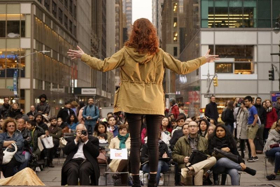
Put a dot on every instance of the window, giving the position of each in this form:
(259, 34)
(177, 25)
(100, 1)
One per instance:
(60, 13)
(47, 4)
(54, 9)
(2, 25)
(13, 28)
(234, 59)
(71, 7)
(66, 4)
(175, 51)
(175, 36)
(175, 22)
(65, 21)
(70, 26)
(75, 12)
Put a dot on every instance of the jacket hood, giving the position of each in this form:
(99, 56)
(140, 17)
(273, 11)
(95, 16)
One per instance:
(138, 57)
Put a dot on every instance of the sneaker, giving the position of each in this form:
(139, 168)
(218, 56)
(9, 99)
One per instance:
(271, 177)
(255, 158)
(251, 159)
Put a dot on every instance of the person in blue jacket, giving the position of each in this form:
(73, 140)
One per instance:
(90, 115)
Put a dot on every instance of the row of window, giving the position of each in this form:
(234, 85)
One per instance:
(12, 25)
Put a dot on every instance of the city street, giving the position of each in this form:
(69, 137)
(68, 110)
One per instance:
(51, 176)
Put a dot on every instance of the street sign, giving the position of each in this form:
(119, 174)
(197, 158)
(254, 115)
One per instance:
(207, 95)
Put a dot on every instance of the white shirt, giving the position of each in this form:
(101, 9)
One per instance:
(80, 151)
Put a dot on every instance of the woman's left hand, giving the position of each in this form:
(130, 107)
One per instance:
(73, 54)
(243, 166)
(211, 58)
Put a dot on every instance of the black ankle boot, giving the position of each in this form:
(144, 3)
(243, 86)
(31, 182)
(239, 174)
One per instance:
(136, 181)
(250, 171)
(152, 180)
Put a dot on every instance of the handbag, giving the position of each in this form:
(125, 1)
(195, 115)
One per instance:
(7, 157)
(229, 155)
(197, 156)
(62, 142)
(48, 142)
(101, 159)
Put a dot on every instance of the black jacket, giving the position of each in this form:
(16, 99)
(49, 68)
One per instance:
(163, 148)
(34, 139)
(261, 113)
(43, 126)
(229, 117)
(4, 111)
(13, 113)
(27, 138)
(176, 136)
(44, 108)
(31, 113)
(91, 152)
(211, 111)
(63, 113)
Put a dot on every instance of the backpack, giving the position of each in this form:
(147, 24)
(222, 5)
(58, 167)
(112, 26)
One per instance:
(223, 117)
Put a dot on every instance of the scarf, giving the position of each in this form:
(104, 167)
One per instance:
(123, 140)
(269, 109)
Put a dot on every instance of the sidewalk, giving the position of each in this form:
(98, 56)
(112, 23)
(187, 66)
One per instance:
(52, 176)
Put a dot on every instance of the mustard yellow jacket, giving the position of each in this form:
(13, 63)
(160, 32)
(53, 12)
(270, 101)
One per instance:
(141, 90)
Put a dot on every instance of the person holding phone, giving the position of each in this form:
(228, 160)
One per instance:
(81, 162)
(142, 64)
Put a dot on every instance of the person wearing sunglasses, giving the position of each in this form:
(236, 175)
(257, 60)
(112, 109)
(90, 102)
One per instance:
(7, 138)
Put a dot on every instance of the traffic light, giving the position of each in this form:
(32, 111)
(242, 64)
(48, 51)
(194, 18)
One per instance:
(271, 74)
(215, 81)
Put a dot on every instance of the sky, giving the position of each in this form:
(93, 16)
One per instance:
(141, 9)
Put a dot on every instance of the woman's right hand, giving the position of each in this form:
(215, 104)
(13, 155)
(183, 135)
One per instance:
(73, 54)
(226, 149)
(211, 58)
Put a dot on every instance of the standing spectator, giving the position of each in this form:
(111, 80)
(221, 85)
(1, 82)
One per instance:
(90, 115)
(229, 118)
(32, 111)
(74, 107)
(27, 139)
(72, 122)
(174, 109)
(277, 107)
(252, 126)
(259, 143)
(14, 111)
(242, 126)
(9, 136)
(43, 107)
(211, 110)
(181, 109)
(36, 132)
(1, 125)
(56, 133)
(271, 117)
(5, 108)
(65, 111)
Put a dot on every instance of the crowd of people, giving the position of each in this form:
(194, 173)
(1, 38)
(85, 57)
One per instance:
(243, 122)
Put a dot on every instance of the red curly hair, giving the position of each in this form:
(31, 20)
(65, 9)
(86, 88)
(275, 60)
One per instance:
(143, 37)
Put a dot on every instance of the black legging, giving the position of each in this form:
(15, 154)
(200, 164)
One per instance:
(153, 127)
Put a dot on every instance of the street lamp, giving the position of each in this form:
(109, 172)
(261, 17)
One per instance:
(16, 73)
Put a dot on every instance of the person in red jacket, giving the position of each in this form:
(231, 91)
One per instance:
(174, 108)
(271, 117)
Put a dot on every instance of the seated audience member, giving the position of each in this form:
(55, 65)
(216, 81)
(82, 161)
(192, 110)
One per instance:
(102, 138)
(63, 125)
(177, 135)
(211, 129)
(30, 117)
(164, 158)
(72, 122)
(272, 150)
(173, 123)
(40, 122)
(21, 128)
(121, 141)
(1, 125)
(81, 162)
(109, 114)
(223, 140)
(183, 150)
(56, 133)
(32, 111)
(100, 128)
(203, 128)
(7, 138)
(36, 132)
(165, 131)
(112, 126)
(180, 122)
(14, 111)
(144, 133)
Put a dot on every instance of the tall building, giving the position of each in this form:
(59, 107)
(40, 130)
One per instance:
(157, 16)
(127, 10)
(243, 34)
(26, 29)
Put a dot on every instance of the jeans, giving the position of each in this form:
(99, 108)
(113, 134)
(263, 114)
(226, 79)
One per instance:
(225, 165)
(153, 128)
(274, 152)
(162, 167)
(230, 128)
(23, 165)
(90, 126)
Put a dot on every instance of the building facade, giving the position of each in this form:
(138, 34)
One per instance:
(127, 10)
(242, 33)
